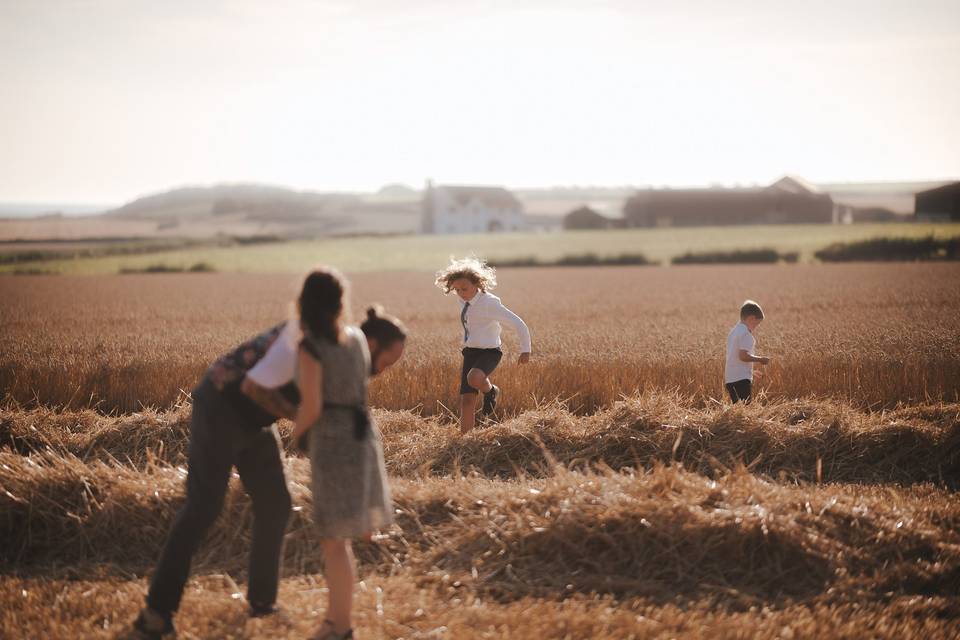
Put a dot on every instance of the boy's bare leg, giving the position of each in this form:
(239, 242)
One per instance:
(468, 411)
(477, 379)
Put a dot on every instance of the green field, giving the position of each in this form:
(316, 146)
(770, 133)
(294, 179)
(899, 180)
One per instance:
(431, 252)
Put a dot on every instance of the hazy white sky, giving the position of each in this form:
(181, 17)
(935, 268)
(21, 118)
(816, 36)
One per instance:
(105, 100)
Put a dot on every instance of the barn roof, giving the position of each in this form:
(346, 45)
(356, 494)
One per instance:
(946, 188)
(790, 184)
(795, 184)
(491, 196)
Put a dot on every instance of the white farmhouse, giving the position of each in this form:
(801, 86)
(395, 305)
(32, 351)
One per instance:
(464, 209)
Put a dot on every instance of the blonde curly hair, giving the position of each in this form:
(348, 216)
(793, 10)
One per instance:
(474, 269)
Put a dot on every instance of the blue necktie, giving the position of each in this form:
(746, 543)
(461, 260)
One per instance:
(463, 321)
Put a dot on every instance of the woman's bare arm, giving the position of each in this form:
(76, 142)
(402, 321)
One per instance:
(311, 391)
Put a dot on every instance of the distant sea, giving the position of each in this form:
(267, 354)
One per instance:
(33, 210)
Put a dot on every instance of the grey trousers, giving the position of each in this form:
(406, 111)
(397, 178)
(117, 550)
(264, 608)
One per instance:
(217, 444)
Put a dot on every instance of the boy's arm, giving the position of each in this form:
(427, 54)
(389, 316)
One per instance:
(270, 399)
(523, 332)
(746, 356)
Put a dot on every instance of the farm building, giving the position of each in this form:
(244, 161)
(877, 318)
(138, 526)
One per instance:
(586, 218)
(469, 209)
(788, 201)
(875, 201)
(942, 203)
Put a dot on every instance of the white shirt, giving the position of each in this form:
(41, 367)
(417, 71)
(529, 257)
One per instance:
(277, 366)
(483, 319)
(736, 369)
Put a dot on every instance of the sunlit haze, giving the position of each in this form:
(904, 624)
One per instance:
(107, 100)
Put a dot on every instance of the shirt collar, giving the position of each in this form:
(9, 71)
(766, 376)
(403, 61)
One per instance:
(475, 298)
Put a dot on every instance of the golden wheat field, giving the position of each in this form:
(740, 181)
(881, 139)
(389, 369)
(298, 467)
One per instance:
(875, 335)
(619, 495)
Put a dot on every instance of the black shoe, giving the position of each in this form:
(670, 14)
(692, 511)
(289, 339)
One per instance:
(152, 625)
(490, 400)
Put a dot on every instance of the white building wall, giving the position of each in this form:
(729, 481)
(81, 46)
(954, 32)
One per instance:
(473, 217)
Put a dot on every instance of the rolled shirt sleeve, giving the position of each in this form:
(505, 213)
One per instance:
(278, 365)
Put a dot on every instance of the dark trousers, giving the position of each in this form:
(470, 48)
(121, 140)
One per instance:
(217, 444)
(740, 390)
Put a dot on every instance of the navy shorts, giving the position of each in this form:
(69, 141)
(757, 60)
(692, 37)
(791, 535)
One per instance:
(484, 359)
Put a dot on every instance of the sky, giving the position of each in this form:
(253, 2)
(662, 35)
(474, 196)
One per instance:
(106, 100)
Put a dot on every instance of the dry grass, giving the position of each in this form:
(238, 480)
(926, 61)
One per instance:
(873, 335)
(783, 440)
(791, 441)
(670, 546)
(508, 542)
(395, 608)
(136, 439)
(635, 506)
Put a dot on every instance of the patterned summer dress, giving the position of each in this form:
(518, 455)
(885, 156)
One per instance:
(351, 496)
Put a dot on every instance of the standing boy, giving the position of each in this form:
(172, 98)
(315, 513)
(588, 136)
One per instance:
(738, 373)
(480, 316)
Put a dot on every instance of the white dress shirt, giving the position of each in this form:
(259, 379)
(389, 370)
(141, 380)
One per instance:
(483, 319)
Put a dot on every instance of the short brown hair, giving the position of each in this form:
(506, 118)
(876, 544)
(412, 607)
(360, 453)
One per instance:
(751, 308)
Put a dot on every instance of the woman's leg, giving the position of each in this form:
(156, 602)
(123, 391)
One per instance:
(341, 574)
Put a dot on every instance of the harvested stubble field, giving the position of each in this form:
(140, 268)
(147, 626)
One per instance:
(497, 538)
(637, 506)
(791, 441)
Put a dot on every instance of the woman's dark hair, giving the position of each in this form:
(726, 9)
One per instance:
(383, 328)
(321, 304)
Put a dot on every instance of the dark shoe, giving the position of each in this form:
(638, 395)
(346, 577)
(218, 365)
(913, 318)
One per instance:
(490, 400)
(152, 625)
(326, 632)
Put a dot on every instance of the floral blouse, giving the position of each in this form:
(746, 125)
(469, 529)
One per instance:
(229, 369)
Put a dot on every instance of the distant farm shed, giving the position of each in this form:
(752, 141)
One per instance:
(789, 200)
(942, 203)
(586, 218)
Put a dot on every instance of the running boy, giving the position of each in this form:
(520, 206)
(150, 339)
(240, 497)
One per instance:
(480, 314)
(738, 373)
